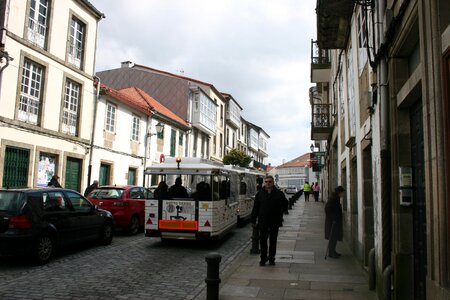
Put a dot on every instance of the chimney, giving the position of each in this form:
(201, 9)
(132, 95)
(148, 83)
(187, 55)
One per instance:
(127, 64)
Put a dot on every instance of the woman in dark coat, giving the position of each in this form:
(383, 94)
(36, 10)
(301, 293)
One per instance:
(333, 221)
(54, 182)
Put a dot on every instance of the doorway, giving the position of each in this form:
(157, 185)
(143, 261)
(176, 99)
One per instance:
(419, 208)
(73, 174)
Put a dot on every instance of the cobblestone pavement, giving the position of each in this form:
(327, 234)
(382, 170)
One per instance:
(132, 267)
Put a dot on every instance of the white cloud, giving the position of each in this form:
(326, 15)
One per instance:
(256, 50)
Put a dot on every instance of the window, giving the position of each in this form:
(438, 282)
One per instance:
(137, 193)
(180, 138)
(76, 42)
(46, 168)
(54, 201)
(16, 166)
(135, 128)
(132, 174)
(362, 40)
(37, 22)
(110, 118)
(30, 92)
(173, 142)
(78, 202)
(71, 104)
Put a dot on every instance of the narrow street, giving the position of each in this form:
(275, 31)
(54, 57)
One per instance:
(133, 267)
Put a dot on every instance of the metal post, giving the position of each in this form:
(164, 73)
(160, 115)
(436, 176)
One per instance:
(212, 276)
(255, 241)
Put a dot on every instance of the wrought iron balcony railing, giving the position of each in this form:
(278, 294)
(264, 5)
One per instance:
(321, 125)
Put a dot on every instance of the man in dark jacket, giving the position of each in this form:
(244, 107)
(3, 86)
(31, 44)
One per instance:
(270, 203)
(90, 188)
(333, 221)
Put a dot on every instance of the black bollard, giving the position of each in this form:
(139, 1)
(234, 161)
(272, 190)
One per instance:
(212, 276)
(255, 241)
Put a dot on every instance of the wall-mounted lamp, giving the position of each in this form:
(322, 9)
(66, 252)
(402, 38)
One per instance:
(312, 147)
(159, 128)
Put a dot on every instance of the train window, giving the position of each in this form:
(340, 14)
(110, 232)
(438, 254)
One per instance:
(243, 188)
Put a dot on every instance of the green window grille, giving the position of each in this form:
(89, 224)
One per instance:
(15, 170)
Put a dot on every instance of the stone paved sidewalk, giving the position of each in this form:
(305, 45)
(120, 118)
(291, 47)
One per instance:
(301, 271)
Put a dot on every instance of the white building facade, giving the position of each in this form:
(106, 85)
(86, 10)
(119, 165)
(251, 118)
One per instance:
(47, 91)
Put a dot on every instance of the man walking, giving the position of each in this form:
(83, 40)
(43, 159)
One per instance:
(90, 188)
(270, 203)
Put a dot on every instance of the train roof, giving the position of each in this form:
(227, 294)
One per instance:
(187, 165)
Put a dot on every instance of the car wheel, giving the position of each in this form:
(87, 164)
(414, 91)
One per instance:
(44, 248)
(107, 234)
(134, 225)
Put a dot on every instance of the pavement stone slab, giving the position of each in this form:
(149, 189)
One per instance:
(239, 291)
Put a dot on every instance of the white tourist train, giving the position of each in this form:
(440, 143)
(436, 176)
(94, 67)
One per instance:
(217, 198)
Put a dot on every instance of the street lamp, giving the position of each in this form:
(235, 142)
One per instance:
(159, 128)
(312, 147)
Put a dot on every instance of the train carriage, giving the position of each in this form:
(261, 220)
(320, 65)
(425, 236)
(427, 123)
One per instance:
(208, 211)
(246, 182)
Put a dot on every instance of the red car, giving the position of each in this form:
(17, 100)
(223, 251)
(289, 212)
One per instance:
(126, 203)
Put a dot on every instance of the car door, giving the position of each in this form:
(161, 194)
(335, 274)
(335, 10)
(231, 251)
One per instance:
(137, 202)
(86, 221)
(56, 214)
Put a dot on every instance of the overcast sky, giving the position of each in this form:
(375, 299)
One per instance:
(256, 50)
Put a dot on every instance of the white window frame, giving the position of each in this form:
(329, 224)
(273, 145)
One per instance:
(135, 128)
(30, 91)
(77, 35)
(110, 117)
(72, 97)
(362, 40)
(37, 22)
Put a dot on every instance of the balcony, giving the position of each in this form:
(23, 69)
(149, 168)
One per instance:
(333, 23)
(320, 64)
(321, 125)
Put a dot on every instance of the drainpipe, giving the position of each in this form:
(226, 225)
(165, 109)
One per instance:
(147, 139)
(385, 157)
(387, 282)
(94, 118)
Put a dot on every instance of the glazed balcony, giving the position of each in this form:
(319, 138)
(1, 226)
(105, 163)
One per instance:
(320, 64)
(321, 125)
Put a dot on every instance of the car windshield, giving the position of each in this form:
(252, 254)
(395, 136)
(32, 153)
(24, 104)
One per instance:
(107, 193)
(11, 201)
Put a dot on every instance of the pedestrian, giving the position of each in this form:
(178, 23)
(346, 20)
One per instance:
(161, 192)
(316, 191)
(177, 190)
(54, 182)
(267, 216)
(306, 190)
(333, 221)
(90, 188)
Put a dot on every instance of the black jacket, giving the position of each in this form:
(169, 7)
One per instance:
(333, 217)
(268, 208)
